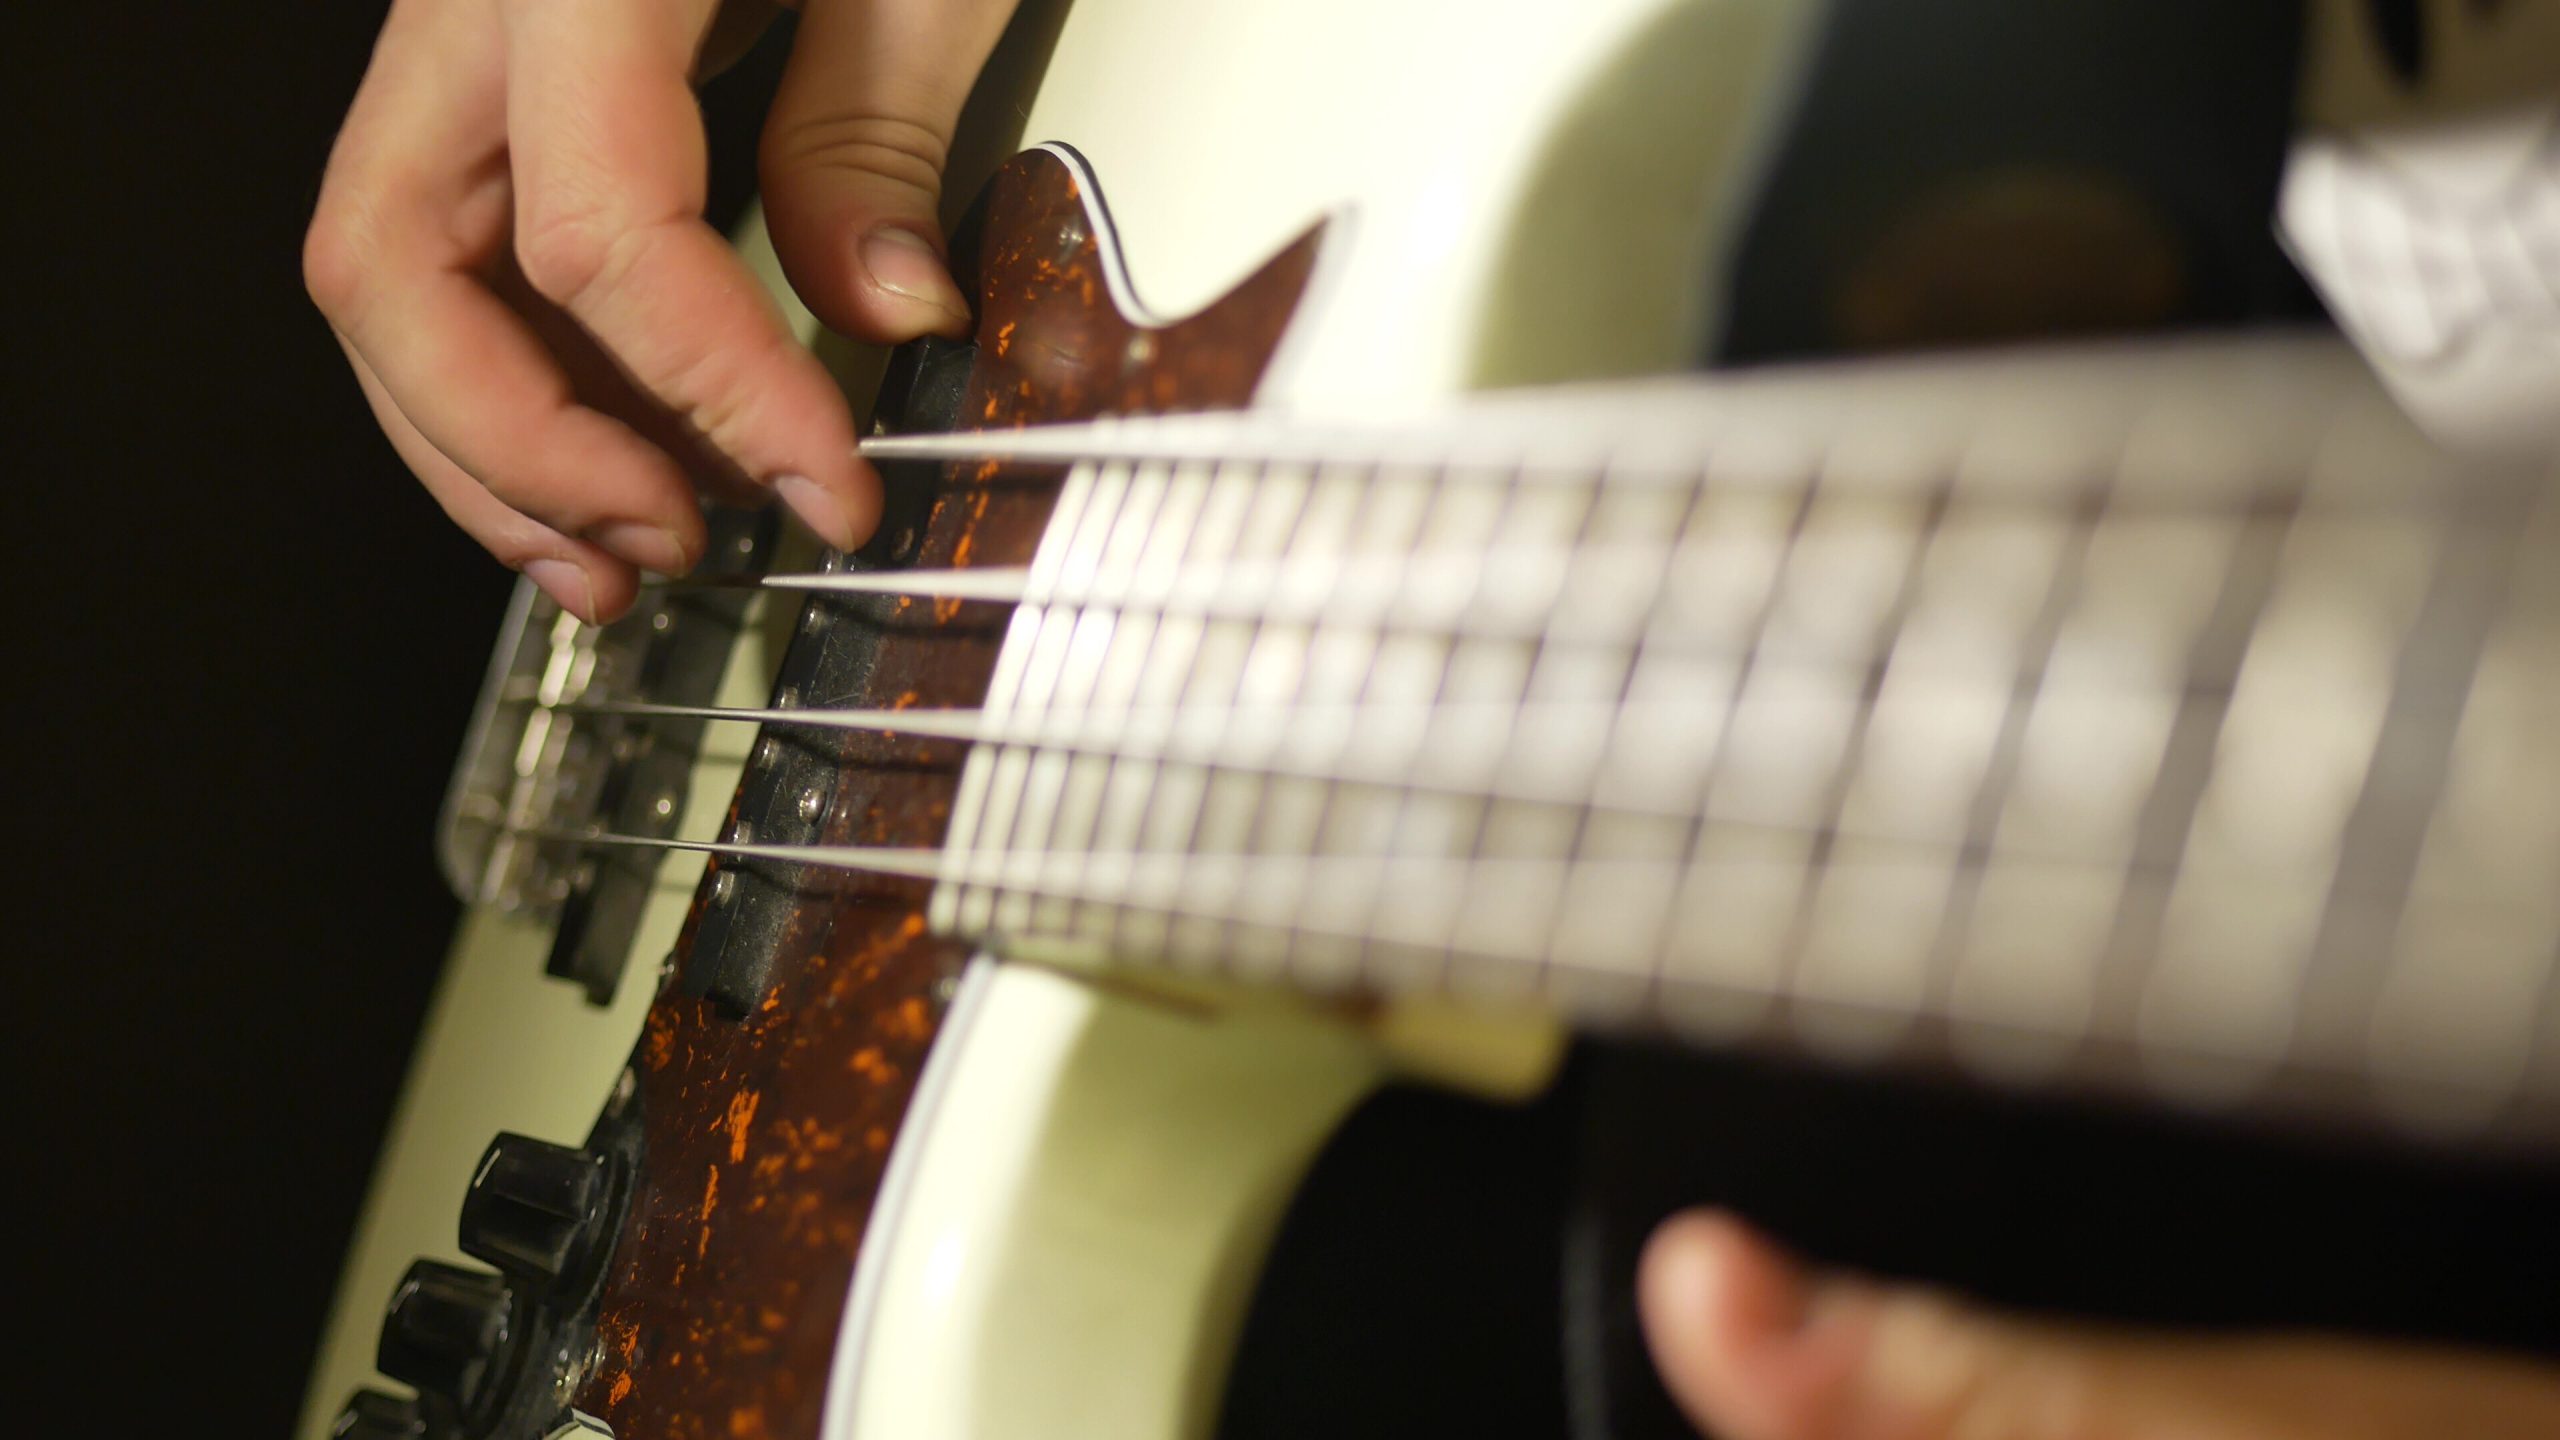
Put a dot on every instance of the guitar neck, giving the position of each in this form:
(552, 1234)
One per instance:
(2176, 719)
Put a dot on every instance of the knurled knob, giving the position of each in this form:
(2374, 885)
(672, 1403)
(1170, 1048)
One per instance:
(445, 1330)
(373, 1415)
(536, 1211)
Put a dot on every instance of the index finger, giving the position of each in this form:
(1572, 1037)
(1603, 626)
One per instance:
(608, 154)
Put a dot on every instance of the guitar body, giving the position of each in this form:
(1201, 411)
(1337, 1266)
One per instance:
(871, 1186)
(1410, 151)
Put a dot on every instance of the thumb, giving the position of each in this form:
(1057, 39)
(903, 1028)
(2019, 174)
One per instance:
(1753, 1348)
(851, 163)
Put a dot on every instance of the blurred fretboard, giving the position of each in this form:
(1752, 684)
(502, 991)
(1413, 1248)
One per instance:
(2176, 718)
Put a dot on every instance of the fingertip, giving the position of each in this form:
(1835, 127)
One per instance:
(875, 278)
(662, 549)
(615, 586)
(843, 513)
(566, 582)
(1708, 1279)
(909, 288)
(1725, 1315)
(592, 586)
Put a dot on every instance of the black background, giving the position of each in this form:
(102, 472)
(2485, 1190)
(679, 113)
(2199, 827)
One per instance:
(243, 647)
(241, 653)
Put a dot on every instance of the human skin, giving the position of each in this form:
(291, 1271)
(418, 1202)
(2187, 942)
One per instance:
(1754, 1345)
(510, 246)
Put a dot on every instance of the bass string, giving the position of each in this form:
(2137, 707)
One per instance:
(1798, 843)
(1217, 889)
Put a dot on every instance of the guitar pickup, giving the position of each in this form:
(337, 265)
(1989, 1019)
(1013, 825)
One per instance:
(544, 755)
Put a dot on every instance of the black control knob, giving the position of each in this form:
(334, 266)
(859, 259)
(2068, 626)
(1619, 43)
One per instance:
(372, 1415)
(446, 1329)
(536, 1211)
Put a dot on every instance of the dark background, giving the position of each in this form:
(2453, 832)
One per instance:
(242, 652)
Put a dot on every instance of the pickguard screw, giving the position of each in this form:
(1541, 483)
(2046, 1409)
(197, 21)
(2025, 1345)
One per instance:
(813, 804)
(724, 887)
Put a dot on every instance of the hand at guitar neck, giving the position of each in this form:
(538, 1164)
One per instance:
(509, 244)
(1754, 1347)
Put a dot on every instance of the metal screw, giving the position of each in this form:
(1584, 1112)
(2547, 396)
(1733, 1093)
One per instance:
(724, 887)
(767, 751)
(664, 807)
(745, 834)
(813, 804)
(660, 620)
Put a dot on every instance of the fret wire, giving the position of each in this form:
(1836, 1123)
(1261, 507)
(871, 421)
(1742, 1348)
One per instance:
(1757, 626)
(1650, 938)
(1434, 515)
(2038, 639)
(1027, 800)
(2180, 781)
(1121, 817)
(1245, 793)
(1529, 678)
(2409, 757)
(1451, 657)
(957, 908)
(1798, 951)
(1142, 503)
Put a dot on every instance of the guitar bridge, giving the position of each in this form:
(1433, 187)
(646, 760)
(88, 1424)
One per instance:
(545, 755)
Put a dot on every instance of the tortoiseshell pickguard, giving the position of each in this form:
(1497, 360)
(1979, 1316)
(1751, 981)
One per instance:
(766, 1135)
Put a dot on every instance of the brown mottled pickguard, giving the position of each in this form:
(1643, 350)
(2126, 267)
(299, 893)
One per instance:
(765, 1136)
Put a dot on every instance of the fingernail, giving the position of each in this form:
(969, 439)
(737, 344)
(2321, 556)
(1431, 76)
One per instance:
(902, 263)
(651, 547)
(566, 582)
(822, 512)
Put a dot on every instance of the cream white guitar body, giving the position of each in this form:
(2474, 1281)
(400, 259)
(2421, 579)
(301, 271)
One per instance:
(1520, 192)
(1454, 144)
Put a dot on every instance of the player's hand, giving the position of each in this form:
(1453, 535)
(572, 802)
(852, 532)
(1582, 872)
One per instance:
(510, 245)
(1754, 1347)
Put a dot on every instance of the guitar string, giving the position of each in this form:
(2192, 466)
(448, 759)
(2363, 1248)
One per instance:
(1009, 584)
(1006, 871)
(1072, 444)
(1960, 854)
(1268, 892)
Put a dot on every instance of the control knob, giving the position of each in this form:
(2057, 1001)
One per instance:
(537, 1211)
(445, 1333)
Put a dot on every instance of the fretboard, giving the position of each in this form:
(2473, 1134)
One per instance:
(2175, 718)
